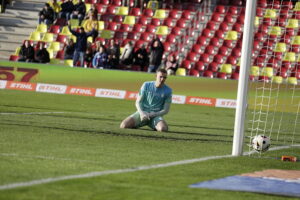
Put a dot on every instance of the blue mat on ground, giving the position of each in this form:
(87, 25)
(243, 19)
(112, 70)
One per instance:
(253, 184)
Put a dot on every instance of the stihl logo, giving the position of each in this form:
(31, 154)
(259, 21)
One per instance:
(21, 86)
(110, 93)
(118, 94)
(81, 91)
(59, 89)
(200, 101)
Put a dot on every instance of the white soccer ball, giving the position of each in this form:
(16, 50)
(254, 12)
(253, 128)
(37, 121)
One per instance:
(261, 143)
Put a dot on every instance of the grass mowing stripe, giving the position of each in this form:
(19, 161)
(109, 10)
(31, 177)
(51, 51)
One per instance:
(119, 171)
(32, 113)
(45, 157)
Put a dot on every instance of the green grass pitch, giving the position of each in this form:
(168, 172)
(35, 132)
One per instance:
(69, 135)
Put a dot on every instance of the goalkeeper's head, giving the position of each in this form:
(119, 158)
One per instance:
(161, 76)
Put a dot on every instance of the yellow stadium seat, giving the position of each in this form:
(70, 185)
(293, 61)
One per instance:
(17, 51)
(275, 30)
(88, 6)
(51, 54)
(298, 58)
(162, 30)
(256, 21)
(48, 37)
(74, 23)
(267, 71)
(55, 46)
(292, 23)
(129, 20)
(65, 31)
(153, 4)
(42, 28)
(226, 68)
(74, 38)
(254, 71)
(280, 47)
(100, 25)
(289, 56)
(296, 40)
(106, 34)
(270, 13)
(90, 39)
(277, 79)
(181, 72)
(35, 36)
(292, 80)
(160, 14)
(297, 6)
(122, 10)
(55, 61)
(69, 62)
(231, 35)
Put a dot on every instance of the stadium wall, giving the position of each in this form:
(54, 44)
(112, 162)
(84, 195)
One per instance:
(112, 83)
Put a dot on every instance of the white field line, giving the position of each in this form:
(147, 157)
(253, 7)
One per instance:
(32, 113)
(120, 171)
(46, 157)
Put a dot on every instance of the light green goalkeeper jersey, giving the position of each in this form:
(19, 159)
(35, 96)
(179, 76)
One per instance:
(153, 99)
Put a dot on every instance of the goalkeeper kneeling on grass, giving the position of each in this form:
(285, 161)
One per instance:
(154, 100)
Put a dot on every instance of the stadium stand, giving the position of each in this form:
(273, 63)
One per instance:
(207, 41)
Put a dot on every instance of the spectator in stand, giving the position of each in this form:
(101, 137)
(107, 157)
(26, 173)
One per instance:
(171, 64)
(3, 4)
(113, 52)
(66, 9)
(79, 11)
(89, 24)
(127, 54)
(141, 57)
(100, 59)
(26, 53)
(81, 44)
(88, 57)
(156, 53)
(42, 55)
(46, 15)
(56, 8)
(69, 49)
(93, 11)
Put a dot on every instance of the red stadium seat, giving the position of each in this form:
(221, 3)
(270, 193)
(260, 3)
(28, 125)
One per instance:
(219, 59)
(118, 18)
(192, 56)
(181, 23)
(113, 26)
(221, 75)
(262, 3)
(229, 19)
(132, 35)
(167, 46)
(205, 58)
(169, 22)
(101, 8)
(219, 34)
(197, 49)
(224, 26)
(138, 44)
(211, 25)
(13, 58)
(143, 20)
(213, 66)
(223, 50)
(105, 2)
(260, 61)
(235, 76)
(231, 60)
(60, 55)
(54, 29)
(210, 49)
(208, 74)
(233, 10)
(295, 73)
(199, 66)
(176, 31)
(174, 14)
(220, 9)
(171, 38)
(61, 38)
(259, 37)
(216, 17)
(186, 64)
(207, 33)
(215, 42)
(186, 14)
(236, 52)
(259, 12)
(237, 27)
(146, 36)
(273, 62)
(150, 28)
(228, 43)
(148, 12)
(240, 19)
(124, 27)
(194, 72)
(137, 28)
(119, 35)
(287, 5)
(282, 72)
(202, 40)
(296, 15)
(116, 2)
(155, 22)
(295, 48)
(135, 12)
(111, 9)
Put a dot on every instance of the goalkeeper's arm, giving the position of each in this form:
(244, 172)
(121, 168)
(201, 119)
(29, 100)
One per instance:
(144, 115)
(164, 111)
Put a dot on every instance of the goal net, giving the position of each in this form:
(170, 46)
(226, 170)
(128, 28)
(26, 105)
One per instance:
(273, 103)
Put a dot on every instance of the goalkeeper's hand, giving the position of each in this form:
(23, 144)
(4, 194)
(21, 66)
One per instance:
(144, 116)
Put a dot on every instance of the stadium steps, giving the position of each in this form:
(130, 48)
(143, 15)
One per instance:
(16, 24)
